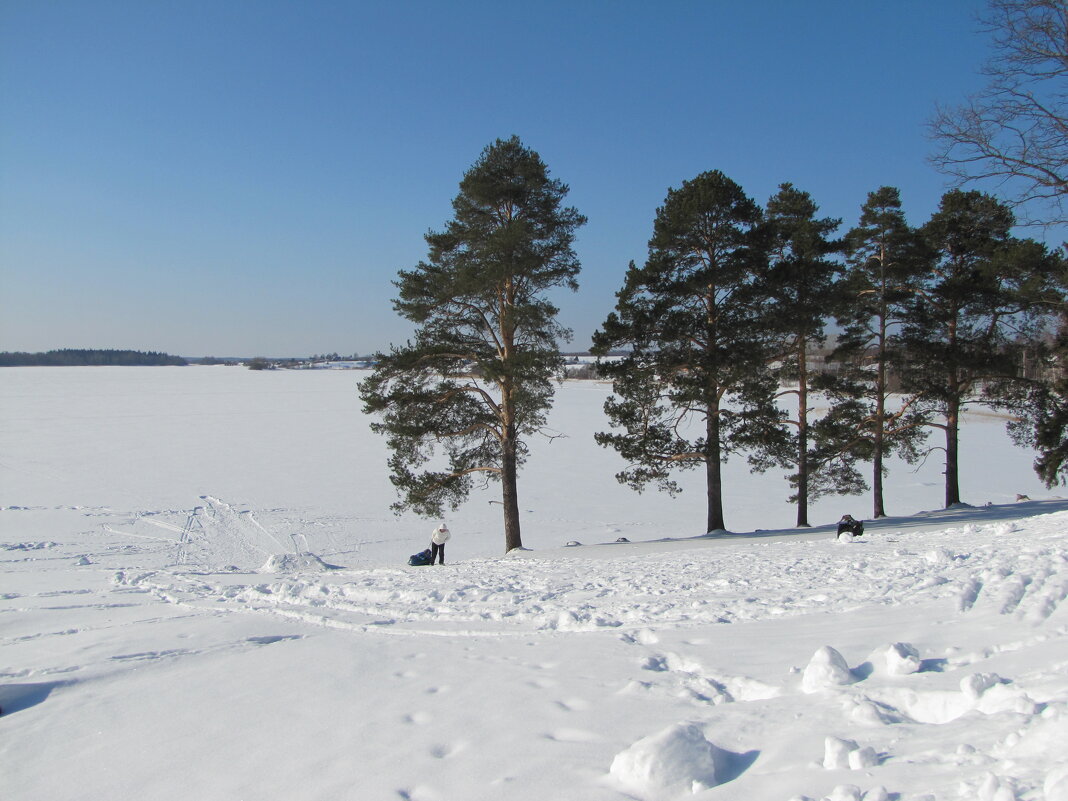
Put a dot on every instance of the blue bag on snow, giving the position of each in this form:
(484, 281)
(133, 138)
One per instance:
(421, 558)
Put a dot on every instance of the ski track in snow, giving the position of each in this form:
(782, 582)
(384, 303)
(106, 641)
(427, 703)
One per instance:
(701, 586)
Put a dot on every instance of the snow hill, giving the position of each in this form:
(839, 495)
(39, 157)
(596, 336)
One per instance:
(187, 611)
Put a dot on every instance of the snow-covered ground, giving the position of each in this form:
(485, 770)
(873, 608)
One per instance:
(162, 639)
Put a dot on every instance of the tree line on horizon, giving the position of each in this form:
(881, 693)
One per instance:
(73, 357)
(717, 327)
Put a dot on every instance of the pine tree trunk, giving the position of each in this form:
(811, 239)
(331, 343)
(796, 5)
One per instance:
(714, 473)
(877, 479)
(802, 436)
(878, 446)
(509, 445)
(879, 441)
(952, 477)
(952, 422)
(510, 492)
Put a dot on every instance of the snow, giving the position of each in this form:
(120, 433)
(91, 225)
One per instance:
(203, 594)
(669, 763)
(827, 669)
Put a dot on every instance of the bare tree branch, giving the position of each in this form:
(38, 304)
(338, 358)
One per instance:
(1015, 131)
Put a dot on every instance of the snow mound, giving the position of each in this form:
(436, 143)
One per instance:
(836, 752)
(841, 754)
(896, 659)
(674, 761)
(825, 670)
(294, 562)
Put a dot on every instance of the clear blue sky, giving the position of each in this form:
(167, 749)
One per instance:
(246, 178)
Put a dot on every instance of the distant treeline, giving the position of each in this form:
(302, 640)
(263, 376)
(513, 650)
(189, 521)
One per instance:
(92, 358)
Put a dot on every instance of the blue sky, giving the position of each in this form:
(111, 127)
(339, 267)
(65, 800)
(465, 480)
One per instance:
(246, 178)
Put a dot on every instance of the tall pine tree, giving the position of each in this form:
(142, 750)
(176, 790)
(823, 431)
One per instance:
(459, 401)
(693, 385)
(1038, 399)
(886, 262)
(802, 287)
(977, 302)
(1041, 410)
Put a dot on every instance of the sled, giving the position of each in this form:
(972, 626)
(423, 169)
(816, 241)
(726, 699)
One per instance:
(419, 559)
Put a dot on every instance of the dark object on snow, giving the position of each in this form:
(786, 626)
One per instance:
(850, 524)
(419, 559)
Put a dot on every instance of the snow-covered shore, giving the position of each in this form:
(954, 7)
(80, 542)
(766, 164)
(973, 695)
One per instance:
(156, 647)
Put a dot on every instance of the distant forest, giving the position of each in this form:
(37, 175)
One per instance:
(92, 358)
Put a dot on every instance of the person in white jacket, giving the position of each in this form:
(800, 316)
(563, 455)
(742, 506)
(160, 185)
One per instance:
(438, 538)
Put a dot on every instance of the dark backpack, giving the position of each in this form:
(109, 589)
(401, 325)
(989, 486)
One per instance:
(421, 558)
(854, 527)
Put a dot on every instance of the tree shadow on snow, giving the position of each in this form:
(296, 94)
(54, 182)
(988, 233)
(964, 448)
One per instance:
(16, 697)
(958, 514)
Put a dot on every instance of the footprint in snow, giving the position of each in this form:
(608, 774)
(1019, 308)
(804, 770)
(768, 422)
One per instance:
(573, 736)
(1046, 604)
(446, 751)
(150, 655)
(969, 594)
(573, 704)
(273, 638)
(640, 637)
(420, 793)
(1013, 592)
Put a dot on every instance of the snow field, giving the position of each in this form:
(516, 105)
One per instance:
(166, 635)
(885, 662)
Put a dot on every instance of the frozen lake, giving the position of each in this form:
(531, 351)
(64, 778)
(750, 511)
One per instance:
(294, 448)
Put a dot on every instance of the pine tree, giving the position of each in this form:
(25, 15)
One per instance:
(478, 378)
(886, 261)
(1038, 400)
(693, 385)
(802, 285)
(979, 300)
